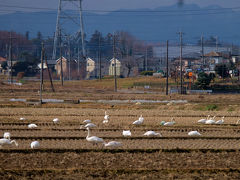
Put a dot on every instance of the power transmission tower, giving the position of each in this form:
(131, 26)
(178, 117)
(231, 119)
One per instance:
(115, 62)
(167, 70)
(64, 18)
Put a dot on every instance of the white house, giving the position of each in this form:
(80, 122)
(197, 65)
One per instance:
(112, 67)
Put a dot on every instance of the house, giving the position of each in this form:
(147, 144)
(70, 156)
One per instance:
(2, 60)
(213, 58)
(91, 69)
(112, 67)
(68, 67)
(51, 64)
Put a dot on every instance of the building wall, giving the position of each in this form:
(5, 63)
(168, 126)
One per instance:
(112, 69)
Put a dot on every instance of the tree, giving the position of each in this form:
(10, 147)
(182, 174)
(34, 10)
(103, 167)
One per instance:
(4, 65)
(222, 70)
(203, 80)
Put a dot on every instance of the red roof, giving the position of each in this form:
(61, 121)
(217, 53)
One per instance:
(2, 59)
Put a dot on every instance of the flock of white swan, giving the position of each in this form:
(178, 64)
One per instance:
(6, 140)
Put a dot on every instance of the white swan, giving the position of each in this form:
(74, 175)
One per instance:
(93, 139)
(221, 121)
(211, 121)
(87, 121)
(56, 120)
(113, 144)
(31, 126)
(152, 133)
(172, 122)
(7, 135)
(35, 144)
(203, 121)
(22, 118)
(88, 125)
(139, 121)
(4, 142)
(106, 118)
(126, 133)
(194, 133)
(141, 118)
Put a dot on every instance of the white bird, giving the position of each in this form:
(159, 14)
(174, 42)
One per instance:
(31, 126)
(203, 121)
(56, 120)
(88, 125)
(4, 142)
(141, 118)
(126, 133)
(93, 139)
(106, 118)
(172, 122)
(87, 121)
(113, 144)
(238, 121)
(22, 118)
(194, 133)
(211, 121)
(152, 133)
(7, 135)
(139, 121)
(35, 144)
(221, 121)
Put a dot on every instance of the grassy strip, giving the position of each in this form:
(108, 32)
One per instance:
(177, 150)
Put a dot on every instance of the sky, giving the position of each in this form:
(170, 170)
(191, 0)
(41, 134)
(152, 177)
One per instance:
(110, 4)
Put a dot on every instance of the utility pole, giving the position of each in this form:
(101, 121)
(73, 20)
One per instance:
(99, 57)
(181, 78)
(69, 59)
(167, 70)
(78, 63)
(41, 73)
(61, 65)
(202, 44)
(216, 43)
(115, 63)
(146, 59)
(10, 57)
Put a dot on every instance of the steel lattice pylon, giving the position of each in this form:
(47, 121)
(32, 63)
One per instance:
(62, 17)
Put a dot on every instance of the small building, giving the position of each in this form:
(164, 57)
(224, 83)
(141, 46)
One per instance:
(112, 67)
(65, 66)
(2, 60)
(91, 69)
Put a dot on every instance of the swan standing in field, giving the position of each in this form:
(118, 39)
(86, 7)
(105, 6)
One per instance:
(35, 144)
(88, 125)
(194, 133)
(203, 121)
(106, 118)
(139, 121)
(22, 118)
(93, 139)
(172, 122)
(152, 133)
(56, 120)
(126, 133)
(7, 135)
(87, 121)
(4, 142)
(31, 126)
(211, 121)
(221, 121)
(113, 144)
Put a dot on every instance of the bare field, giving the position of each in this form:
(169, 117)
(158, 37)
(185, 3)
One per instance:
(65, 154)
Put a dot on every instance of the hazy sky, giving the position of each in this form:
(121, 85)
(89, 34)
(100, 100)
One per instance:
(112, 4)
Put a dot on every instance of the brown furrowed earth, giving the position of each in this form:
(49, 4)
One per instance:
(65, 153)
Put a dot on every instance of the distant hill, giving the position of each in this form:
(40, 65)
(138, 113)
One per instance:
(158, 25)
